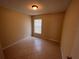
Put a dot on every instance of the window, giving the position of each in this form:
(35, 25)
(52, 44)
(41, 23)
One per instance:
(38, 26)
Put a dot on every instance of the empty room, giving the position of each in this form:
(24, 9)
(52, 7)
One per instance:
(39, 29)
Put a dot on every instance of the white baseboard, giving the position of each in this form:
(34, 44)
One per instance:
(62, 55)
(54, 40)
(61, 52)
(14, 43)
(24, 39)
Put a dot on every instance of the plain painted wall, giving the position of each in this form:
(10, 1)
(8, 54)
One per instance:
(75, 49)
(51, 25)
(14, 26)
(69, 29)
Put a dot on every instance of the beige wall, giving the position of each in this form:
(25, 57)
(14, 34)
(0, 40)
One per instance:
(14, 26)
(75, 49)
(69, 29)
(51, 25)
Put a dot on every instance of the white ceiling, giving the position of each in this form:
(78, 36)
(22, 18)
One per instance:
(44, 6)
